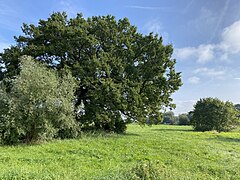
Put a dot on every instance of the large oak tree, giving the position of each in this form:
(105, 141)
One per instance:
(123, 74)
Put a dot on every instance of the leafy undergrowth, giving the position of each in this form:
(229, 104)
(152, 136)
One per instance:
(156, 152)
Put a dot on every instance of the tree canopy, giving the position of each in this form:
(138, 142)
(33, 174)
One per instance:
(237, 106)
(214, 114)
(123, 75)
(169, 118)
(183, 119)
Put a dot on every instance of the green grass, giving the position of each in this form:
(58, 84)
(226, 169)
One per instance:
(174, 152)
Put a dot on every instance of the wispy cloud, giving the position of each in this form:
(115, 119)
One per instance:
(151, 8)
(220, 18)
(211, 72)
(156, 27)
(9, 16)
(208, 21)
(188, 6)
(185, 53)
(194, 80)
(72, 7)
(204, 22)
(68, 7)
(7, 9)
(153, 26)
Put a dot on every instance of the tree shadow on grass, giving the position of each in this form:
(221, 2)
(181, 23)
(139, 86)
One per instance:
(226, 139)
(131, 134)
(173, 130)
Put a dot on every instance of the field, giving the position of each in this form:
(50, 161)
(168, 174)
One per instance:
(159, 152)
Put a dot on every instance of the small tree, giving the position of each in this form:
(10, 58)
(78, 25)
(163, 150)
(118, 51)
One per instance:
(183, 119)
(169, 118)
(39, 105)
(213, 114)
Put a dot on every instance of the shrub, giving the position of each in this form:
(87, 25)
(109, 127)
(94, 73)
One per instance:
(213, 114)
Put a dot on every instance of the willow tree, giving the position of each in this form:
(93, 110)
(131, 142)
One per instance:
(38, 106)
(123, 74)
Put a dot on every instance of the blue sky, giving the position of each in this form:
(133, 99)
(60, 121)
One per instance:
(205, 35)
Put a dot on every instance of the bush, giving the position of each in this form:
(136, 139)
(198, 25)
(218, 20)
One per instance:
(38, 106)
(213, 114)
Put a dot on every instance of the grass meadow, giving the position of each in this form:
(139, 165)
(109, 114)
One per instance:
(156, 152)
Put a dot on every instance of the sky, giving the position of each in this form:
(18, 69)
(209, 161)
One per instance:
(205, 35)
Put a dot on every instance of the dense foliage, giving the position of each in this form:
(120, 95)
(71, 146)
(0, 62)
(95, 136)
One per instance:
(170, 118)
(183, 119)
(214, 114)
(123, 75)
(38, 106)
(237, 106)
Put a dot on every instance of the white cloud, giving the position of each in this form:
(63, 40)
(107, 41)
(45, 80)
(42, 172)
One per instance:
(237, 78)
(185, 53)
(210, 72)
(203, 53)
(229, 44)
(194, 80)
(231, 38)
